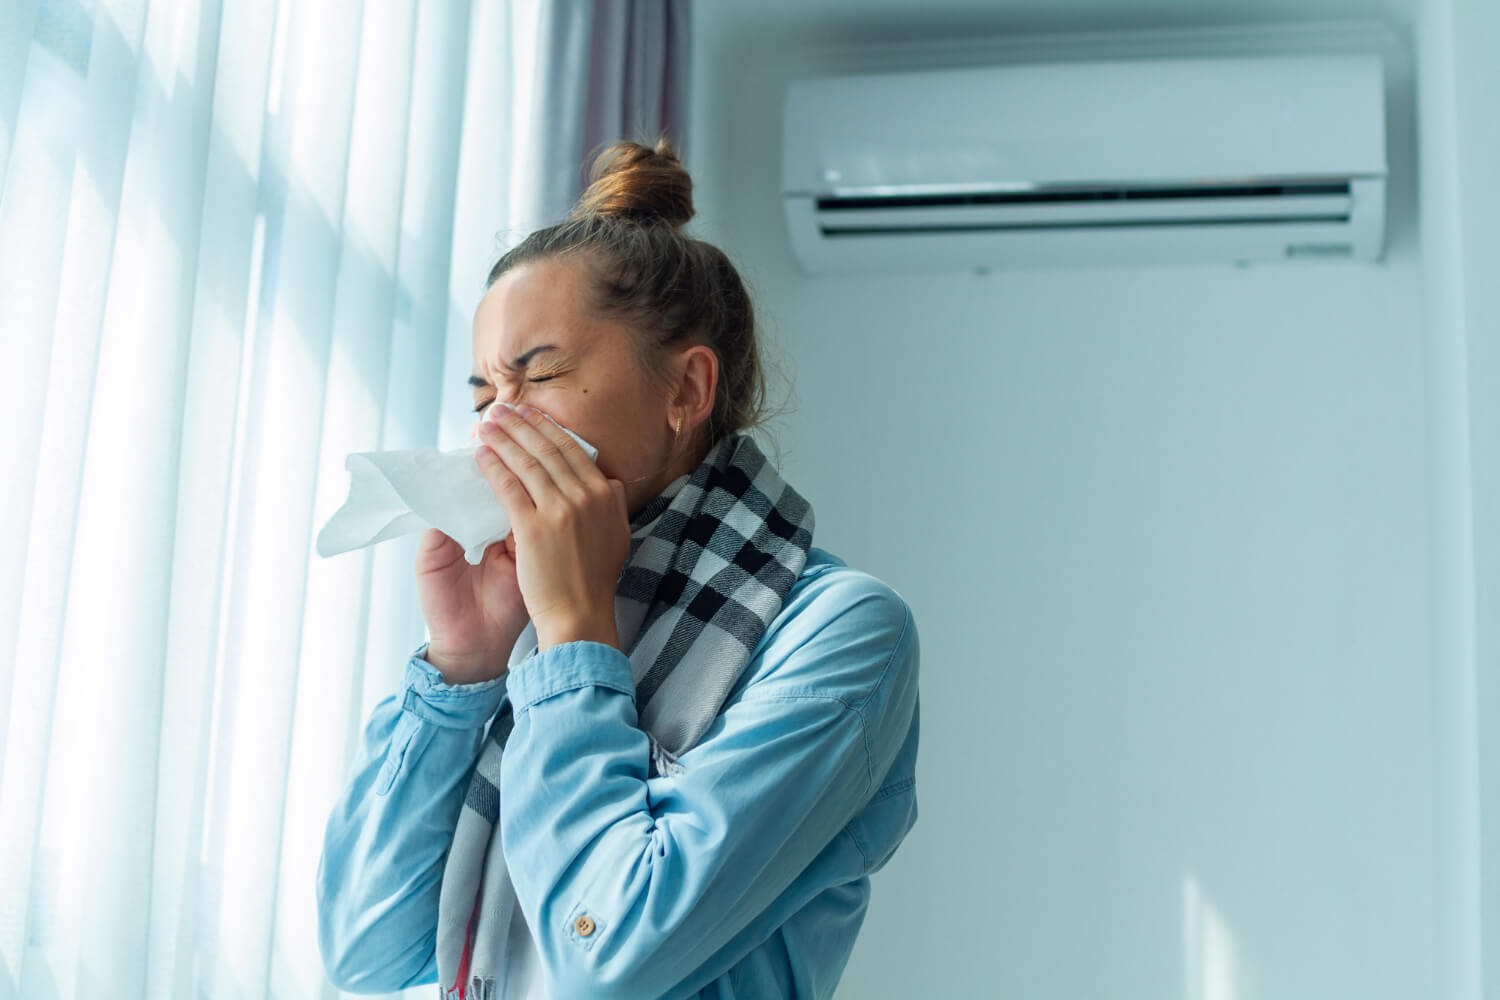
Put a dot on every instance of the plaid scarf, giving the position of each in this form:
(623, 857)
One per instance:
(711, 560)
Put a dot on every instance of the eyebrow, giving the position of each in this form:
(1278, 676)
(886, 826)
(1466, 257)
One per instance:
(479, 381)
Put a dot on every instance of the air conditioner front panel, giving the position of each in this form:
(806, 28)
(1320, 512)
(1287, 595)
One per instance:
(1155, 120)
(1183, 160)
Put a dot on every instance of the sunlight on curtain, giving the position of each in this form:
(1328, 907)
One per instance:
(238, 240)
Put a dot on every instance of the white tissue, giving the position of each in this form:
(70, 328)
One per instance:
(393, 493)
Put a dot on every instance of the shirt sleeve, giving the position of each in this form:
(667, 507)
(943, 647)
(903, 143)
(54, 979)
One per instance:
(390, 829)
(634, 882)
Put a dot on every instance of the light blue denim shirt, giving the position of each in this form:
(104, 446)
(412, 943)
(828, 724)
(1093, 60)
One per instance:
(747, 875)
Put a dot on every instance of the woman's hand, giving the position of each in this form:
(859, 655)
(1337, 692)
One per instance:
(570, 522)
(475, 613)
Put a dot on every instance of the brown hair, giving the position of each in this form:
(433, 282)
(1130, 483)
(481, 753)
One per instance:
(666, 287)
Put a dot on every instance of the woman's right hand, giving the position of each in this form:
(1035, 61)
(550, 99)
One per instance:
(474, 613)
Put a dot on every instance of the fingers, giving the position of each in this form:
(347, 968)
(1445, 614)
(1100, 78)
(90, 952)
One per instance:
(578, 459)
(503, 548)
(537, 430)
(512, 493)
(436, 550)
(532, 456)
(434, 540)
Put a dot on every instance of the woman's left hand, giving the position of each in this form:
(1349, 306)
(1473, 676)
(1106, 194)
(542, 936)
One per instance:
(571, 524)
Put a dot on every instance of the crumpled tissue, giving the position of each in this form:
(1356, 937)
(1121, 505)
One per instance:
(393, 493)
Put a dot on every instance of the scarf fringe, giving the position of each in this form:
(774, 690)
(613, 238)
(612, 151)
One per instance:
(479, 988)
(662, 759)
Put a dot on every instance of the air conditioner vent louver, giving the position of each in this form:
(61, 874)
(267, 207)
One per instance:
(1060, 195)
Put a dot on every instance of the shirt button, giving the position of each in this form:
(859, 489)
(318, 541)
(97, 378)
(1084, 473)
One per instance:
(584, 925)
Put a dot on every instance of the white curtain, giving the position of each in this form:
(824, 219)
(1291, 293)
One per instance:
(238, 240)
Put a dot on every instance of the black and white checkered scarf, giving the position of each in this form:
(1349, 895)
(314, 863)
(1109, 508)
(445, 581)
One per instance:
(712, 558)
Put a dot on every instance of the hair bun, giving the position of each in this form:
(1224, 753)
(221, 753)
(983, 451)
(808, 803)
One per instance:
(638, 182)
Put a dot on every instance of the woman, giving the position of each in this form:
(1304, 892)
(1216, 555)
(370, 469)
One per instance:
(704, 728)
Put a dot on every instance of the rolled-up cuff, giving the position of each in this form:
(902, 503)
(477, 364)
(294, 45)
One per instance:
(454, 706)
(568, 666)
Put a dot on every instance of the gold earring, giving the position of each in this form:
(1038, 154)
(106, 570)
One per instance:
(677, 427)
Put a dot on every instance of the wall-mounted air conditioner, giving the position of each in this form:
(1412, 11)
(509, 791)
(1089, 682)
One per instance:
(1127, 162)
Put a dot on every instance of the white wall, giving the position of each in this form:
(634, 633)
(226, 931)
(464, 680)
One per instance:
(1166, 536)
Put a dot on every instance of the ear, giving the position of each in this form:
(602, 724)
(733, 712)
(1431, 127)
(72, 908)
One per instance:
(698, 368)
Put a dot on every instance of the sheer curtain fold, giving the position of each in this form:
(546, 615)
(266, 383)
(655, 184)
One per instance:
(607, 69)
(17, 25)
(240, 239)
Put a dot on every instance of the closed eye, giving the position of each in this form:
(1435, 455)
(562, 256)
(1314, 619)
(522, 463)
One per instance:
(481, 406)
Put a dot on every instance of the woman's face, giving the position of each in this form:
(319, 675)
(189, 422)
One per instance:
(536, 342)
